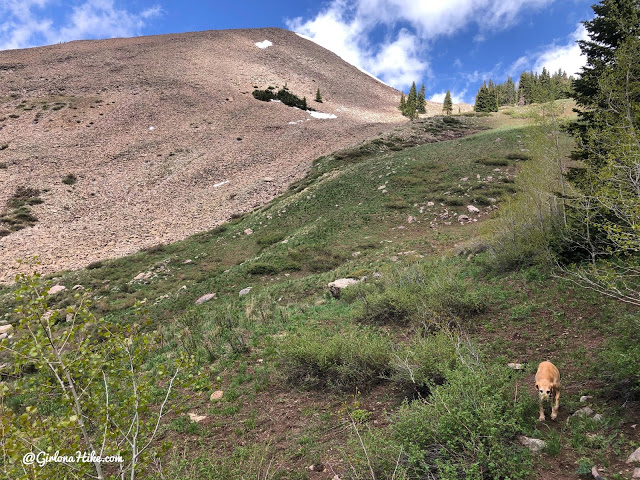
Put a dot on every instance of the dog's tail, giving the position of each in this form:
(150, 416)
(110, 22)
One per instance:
(596, 475)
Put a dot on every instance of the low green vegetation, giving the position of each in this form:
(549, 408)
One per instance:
(454, 248)
(283, 95)
(17, 214)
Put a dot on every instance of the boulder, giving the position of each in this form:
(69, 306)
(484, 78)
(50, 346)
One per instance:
(56, 289)
(584, 411)
(205, 298)
(244, 291)
(463, 218)
(336, 287)
(533, 444)
(217, 395)
(634, 457)
(194, 417)
(585, 398)
(472, 209)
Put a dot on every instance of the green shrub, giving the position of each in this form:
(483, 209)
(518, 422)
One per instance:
(354, 357)
(267, 239)
(69, 179)
(4, 146)
(518, 156)
(261, 268)
(467, 427)
(493, 162)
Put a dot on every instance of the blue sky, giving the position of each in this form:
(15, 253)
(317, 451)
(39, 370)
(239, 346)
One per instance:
(445, 44)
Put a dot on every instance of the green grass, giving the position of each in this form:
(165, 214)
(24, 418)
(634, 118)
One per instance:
(298, 366)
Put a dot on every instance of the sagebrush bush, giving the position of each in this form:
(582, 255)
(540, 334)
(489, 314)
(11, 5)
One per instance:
(354, 357)
(426, 292)
(467, 427)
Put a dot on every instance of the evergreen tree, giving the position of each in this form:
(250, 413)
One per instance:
(412, 102)
(422, 101)
(318, 96)
(403, 104)
(447, 106)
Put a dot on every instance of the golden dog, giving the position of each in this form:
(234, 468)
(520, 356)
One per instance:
(548, 387)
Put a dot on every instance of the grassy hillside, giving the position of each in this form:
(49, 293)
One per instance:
(404, 376)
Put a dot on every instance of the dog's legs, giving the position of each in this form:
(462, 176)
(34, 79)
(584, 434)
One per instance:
(554, 409)
(541, 418)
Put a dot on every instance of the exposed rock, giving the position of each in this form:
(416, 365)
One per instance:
(430, 204)
(516, 366)
(205, 298)
(336, 287)
(56, 289)
(248, 231)
(77, 287)
(5, 328)
(585, 398)
(217, 395)
(194, 417)
(3, 336)
(636, 473)
(472, 209)
(597, 417)
(187, 261)
(463, 218)
(533, 444)
(584, 411)
(244, 291)
(634, 457)
(411, 219)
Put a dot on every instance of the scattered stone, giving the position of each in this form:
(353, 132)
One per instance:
(516, 366)
(585, 398)
(267, 179)
(77, 287)
(411, 219)
(472, 209)
(377, 275)
(187, 261)
(533, 444)
(634, 457)
(394, 258)
(205, 298)
(336, 287)
(5, 328)
(498, 139)
(401, 227)
(217, 395)
(463, 218)
(636, 473)
(195, 417)
(492, 200)
(597, 417)
(3, 336)
(382, 187)
(56, 289)
(464, 179)
(244, 291)
(355, 254)
(584, 411)
(318, 467)
(335, 477)
(248, 231)
(430, 204)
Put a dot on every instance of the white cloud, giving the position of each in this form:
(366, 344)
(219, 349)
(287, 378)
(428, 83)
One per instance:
(456, 97)
(25, 23)
(567, 57)
(345, 27)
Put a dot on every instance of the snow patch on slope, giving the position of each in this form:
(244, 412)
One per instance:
(264, 44)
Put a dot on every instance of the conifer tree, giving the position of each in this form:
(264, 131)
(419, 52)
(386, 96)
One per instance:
(318, 96)
(422, 101)
(447, 106)
(403, 104)
(412, 102)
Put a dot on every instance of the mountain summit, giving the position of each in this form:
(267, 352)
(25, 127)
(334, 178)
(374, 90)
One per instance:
(160, 137)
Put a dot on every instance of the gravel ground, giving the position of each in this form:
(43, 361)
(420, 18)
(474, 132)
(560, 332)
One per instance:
(164, 135)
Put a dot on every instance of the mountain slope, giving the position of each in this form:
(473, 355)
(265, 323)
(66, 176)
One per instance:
(152, 127)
